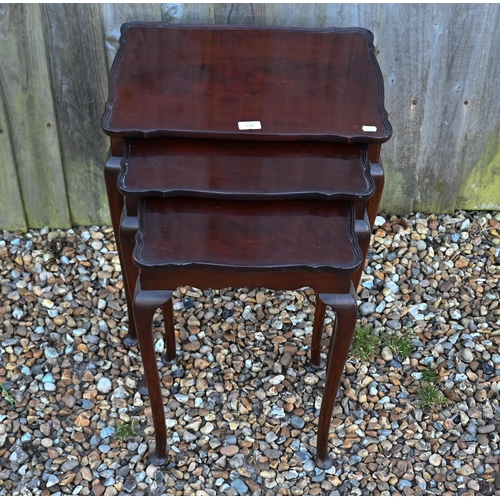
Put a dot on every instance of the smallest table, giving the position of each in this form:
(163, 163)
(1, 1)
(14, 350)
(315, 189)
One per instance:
(277, 244)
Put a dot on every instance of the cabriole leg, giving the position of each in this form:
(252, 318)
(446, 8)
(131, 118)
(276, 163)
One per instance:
(146, 302)
(346, 311)
(116, 204)
(319, 321)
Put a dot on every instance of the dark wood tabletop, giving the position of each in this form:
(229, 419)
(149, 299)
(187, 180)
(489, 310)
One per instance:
(247, 235)
(201, 81)
(245, 170)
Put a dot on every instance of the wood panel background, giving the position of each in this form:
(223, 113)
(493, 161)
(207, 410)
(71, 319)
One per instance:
(440, 62)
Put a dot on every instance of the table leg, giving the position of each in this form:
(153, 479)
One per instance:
(170, 356)
(319, 320)
(363, 232)
(346, 311)
(146, 302)
(373, 203)
(116, 205)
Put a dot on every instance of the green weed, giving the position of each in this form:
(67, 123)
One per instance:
(432, 397)
(429, 375)
(6, 395)
(125, 431)
(364, 343)
(399, 344)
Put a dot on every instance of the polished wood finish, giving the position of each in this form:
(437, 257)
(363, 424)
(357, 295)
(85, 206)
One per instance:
(200, 81)
(245, 170)
(284, 206)
(129, 271)
(278, 244)
(346, 311)
(247, 236)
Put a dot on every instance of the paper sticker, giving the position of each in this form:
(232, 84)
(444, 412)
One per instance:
(249, 125)
(369, 128)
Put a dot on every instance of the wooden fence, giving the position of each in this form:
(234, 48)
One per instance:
(440, 63)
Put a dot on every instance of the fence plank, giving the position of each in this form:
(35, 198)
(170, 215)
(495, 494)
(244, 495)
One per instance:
(192, 13)
(442, 98)
(11, 208)
(115, 14)
(29, 106)
(80, 92)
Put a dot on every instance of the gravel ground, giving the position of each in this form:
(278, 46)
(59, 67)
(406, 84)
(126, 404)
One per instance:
(242, 402)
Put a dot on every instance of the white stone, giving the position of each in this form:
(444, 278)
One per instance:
(387, 354)
(104, 385)
(277, 379)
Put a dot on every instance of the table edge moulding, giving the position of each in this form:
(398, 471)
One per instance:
(114, 120)
(245, 170)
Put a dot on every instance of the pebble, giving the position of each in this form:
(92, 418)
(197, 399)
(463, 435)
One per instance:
(52, 480)
(104, 385)
(69, 465)
(240, 486)
(51, 353)
(366, 308)
(107, 432)
(386, 354)
(229, 451)
(297, 422)
(309, 466)
(19, 456)
(129, 485)
(486, 429)
(467, 355)
(47, 443)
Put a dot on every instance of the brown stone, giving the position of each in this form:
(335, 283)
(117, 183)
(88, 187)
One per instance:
(81, 421)
(86, 473)
(110, 491)
(220, 474)
(68, 478)
(461, 262)
(191, 346)
(201, 364)
(79, 437)
(286, 359)
(98, 489)
(481, 395)
(88, 376)
(229, 451)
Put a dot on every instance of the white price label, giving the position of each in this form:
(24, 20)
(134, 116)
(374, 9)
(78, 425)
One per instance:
(249, 125)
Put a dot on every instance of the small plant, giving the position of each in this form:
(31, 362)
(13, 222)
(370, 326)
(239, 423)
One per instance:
(429, 375)
(432, 397)
(364, 343)
(125, 431)
(6, 395)
(399, 344)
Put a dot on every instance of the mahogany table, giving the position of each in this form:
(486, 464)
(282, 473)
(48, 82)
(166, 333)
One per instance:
(285, 244)
(242, 113)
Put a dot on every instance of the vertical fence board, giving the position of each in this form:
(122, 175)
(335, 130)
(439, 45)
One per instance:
(442, 99)
(192, 13)
(115, 14)
(80, 92)
(11, 207)
(29, 106)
